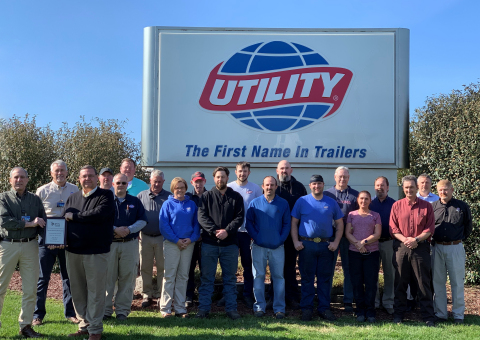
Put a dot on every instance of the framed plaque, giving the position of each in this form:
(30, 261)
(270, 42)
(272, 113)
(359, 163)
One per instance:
(55, 231)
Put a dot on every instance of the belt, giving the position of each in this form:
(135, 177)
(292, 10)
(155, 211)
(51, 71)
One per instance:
(19, 239)
(152, 235)
(316, 239)
(384, 239)
(449, 243)
(123, 240)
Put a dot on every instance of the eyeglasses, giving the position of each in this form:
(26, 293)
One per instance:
(118, 183)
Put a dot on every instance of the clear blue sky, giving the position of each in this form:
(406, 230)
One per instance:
(63, 59)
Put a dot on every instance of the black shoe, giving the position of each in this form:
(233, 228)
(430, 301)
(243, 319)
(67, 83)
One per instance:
(249, 301)
(371, 319)
(233, 314)
(107, 317)
(292, 304)
(28, 332)
(188, 302)
(458, 321)
(146, 302)
(398, 320)
(430, 324)
(307, 315)
(361, 318)
(202, 314)
(280, 315)
(269, 305)
(221, 302)
(259, 314)
(348, 307)
(327, 315)
(121, 317)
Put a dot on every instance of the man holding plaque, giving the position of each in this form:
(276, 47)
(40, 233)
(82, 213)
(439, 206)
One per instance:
(89, 214)
(54, 195)
(21, 218)
(130, 218)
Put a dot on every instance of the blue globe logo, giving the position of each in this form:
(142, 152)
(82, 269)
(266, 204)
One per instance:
(271, 56)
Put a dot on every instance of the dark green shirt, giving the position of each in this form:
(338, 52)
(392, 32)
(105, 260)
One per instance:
(16, 210)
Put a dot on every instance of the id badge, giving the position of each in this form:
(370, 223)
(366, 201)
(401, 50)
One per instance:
(60, 204)
(26, 218)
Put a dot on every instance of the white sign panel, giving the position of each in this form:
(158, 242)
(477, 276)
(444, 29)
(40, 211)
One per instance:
(311, 97)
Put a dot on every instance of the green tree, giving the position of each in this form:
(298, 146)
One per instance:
(100, 143)
(23, 143)
(445, 143)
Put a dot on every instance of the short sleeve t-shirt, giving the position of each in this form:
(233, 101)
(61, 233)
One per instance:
(316, 216)
(363, 227)
(249, 192)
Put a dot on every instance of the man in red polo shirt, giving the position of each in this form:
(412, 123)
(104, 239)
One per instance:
(412, 224)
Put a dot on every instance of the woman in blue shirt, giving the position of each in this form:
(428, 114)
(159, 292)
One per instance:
(180, 229)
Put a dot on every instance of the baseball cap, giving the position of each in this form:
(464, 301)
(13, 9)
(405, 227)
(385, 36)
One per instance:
(105, 170)
(316, 178)
(198, 175)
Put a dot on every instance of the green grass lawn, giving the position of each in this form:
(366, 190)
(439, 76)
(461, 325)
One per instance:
(148, 325)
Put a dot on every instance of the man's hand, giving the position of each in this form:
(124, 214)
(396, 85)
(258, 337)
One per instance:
(56, 247)
(298, 245)
(36, 222)
(121, 232)
(221, 234)
(332, 246)
(69, 216)
(410, 242)
(186, 242)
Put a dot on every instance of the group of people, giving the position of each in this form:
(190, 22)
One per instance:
(123, 226)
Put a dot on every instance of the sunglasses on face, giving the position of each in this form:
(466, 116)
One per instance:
(118, 183)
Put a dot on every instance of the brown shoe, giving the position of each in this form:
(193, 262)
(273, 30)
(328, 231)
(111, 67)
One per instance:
(181, 315)
(72, 319)
(95, 336)
(166, 315)
(37, 322)
(80, 332)
(28, 332)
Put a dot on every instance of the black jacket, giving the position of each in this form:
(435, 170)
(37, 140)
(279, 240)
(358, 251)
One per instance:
(291, 191)
(91, 230)
(218, 211)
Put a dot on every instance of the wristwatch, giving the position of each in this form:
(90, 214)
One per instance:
(417, 240)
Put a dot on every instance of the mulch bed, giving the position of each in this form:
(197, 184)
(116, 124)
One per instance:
(472, 301)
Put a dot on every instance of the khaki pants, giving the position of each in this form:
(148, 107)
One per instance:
(386, 256)
(151, 248)
(177, 266)
(26, 255)
(88, 275)
(448, 259)
(122, 267)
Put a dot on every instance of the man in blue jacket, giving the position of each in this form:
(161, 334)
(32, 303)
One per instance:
(130, 218)
(268, 224)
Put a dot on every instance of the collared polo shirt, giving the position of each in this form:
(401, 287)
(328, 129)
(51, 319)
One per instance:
(316, 216)
(430, 198)
(453, 221)
(383, 209)
(54, 197)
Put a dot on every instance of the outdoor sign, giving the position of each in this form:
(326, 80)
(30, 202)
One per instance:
(313, 97)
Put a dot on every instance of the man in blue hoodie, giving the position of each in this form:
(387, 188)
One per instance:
(268, 224)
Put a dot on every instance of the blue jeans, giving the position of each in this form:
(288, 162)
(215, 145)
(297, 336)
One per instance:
(364, 273)
(228, 257)
(276, 261)
(47, 260)
(244, 241)
(315, 260)
(347, 282)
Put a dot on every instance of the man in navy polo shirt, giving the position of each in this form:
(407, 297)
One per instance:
(130, 218)
(382, 204)
(312, 218)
